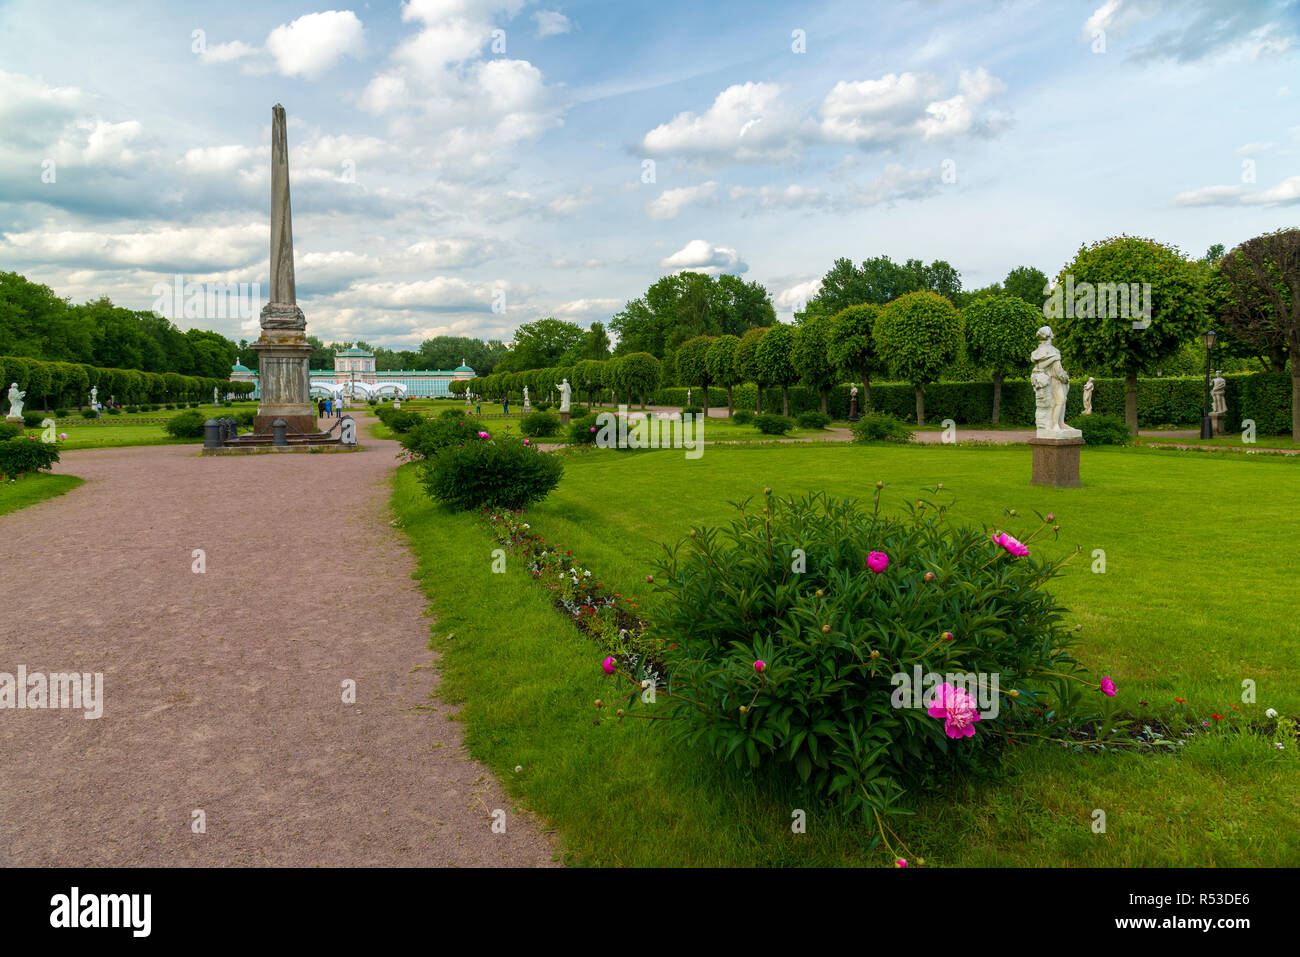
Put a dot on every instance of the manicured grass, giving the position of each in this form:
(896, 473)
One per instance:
(1197, 596)
(31, 489)
(105, 437)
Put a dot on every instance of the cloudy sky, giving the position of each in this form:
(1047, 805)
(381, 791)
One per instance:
(555, 158)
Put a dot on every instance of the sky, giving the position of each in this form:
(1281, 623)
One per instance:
(460, 167)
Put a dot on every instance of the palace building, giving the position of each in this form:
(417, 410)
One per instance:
(354, 374)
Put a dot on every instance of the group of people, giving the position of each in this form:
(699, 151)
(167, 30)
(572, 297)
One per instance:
(330, 407)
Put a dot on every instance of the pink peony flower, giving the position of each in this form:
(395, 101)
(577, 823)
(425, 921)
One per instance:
(1108, 687)
(63, 435)
(525, 441)
(760, 665)
(877, 562)
(957, 708)
(1011, 545)
(901, 862)
(608, 665)
(482, 435)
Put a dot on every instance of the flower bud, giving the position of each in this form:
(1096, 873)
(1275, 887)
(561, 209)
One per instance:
(929, 576)
(880, 485)
(826, 629)
(947, 636)
(620, 712)
(744, 709)
(820, 593)
(874, 655)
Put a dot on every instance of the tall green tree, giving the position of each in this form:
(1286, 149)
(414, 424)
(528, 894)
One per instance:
(1094, 331)
(775, 357)
(1028, 283)
(812, 355)
(542, 343)
(693, 367)
(852, 345)
(1257, 291)
(919, 335)
(639, 373)
(723, 368)
(747, 364)
(1001, 334)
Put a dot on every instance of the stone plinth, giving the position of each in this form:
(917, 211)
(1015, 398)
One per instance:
(1056, 462)
(1216, 422)
(564, 418)
(284, 371)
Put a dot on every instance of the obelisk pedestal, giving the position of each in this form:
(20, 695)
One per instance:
(283, 352)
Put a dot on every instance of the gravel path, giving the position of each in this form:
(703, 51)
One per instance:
(223, 690)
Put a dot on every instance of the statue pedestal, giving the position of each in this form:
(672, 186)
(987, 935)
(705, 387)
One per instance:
(853, 408)
(1216, 422)
(564, 418)
(1056, 461)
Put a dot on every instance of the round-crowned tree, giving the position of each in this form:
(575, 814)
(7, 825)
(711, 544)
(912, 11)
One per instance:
(590, 375)
(693, 366)
(721, 360)
(852, 346)
(918, 335)
(747, 364)
(1000, 334)
(775, 357)
(1126, 304)
(610, 378)
(639, 373)
(811, 355)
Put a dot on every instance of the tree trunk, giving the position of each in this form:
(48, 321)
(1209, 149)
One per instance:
(785, 401)
(997, 397)
(824, 400)
(1131, 402)
(920, 407)
(730, 410)
(1295, 398)
(758, 409)
(643, 398)
(705, 404)
(866, 395)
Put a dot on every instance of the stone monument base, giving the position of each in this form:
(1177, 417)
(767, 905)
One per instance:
(18, 421)
(306, 424)
(1216, 422)
(1056, 462)
(564, 418)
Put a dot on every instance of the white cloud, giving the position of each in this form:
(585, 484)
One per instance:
(312, 44)
(794, 297)
(165, 248)
(879, 114)
(1251, 149)
(701, 256)
(1285, 193)
(672, 201)
(220, 160)
(586, 311)
(746, 123)
(226, 52)
(550, 23)
(438, 293)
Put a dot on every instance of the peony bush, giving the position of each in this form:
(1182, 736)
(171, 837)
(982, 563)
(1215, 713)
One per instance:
(806, 635)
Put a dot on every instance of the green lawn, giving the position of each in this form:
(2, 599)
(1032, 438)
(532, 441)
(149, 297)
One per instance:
(1197, 596)
(31, 489)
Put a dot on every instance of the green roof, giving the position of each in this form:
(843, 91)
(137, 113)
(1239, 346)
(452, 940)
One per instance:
(354, 351)
(238, 368)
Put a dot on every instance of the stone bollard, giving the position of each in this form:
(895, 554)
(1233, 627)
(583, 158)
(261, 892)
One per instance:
(277, 432)
(212, 434)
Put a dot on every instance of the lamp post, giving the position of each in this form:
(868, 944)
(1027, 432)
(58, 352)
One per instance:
(1207, 426)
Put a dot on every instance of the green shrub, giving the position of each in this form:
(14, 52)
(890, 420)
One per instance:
(841, 642)
(227, 403)
(61, 413)
(813, 420)
(187, 425)
(401, 421)
(33, 420)
(433, 435)
(1103, 429)
(879, 427)
(370, 401)
(542, 406)
(500, 473)
(114, 411)
(583, 430)
(539, 423)
(24, 454)
(131, 409)
(742, 417)
(89, 414)
(692, 410)
(8, 430)
(769, 423)
(245, 417)
(451, 414)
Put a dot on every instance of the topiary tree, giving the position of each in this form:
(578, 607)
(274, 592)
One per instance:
(747, 364)
(918, 335)
(639, 373)
(693, 367)
(1104, 326)
(775, 357)
(852, 346)
(611, 377)
(1000, 334)
(721, 360)
(812, 355)
(590, 377)
(1257, 291)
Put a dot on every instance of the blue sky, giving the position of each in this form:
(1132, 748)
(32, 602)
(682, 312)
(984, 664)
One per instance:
(434, 171)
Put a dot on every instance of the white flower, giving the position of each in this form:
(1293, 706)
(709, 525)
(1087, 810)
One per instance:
(518, 768)
(1279, 745)
(1271, 713)
(587, 573)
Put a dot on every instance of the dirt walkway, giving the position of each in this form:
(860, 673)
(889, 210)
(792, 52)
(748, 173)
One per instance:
(223, 690)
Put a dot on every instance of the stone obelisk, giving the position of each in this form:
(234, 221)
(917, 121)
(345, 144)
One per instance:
(284, 374)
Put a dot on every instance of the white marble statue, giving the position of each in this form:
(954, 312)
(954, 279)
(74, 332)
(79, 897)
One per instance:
(94, 397)
(566, 391)
(527, 402)
(688, 396)
(15, 401)
(1051, 388)
(853, 390)
(1087, 396)
(214, 396)
(1218, 390)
